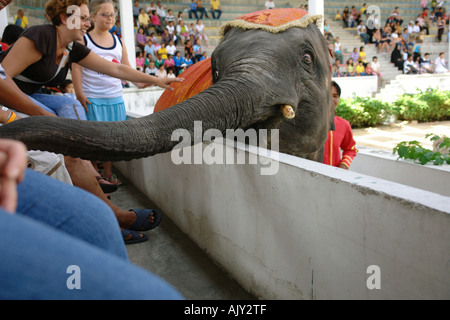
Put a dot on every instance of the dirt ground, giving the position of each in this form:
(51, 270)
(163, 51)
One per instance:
(387, 137)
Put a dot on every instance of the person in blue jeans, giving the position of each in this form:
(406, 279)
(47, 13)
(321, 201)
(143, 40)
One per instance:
(193, 9)
(61, 242)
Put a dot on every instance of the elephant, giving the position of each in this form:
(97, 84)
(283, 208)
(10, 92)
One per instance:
(271, 70)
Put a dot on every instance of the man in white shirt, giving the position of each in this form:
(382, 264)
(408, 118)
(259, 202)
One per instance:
(427, 65)
(270, 4)
(440, 65)
(408, 66)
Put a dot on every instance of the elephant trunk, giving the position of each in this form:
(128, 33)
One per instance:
(227, 104)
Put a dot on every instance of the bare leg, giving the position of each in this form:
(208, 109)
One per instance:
(83, 178)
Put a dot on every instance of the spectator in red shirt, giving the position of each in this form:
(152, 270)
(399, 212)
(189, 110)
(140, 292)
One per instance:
(340, 147)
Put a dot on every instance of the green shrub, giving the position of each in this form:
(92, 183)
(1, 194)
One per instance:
(424, 106)
(363, 112)
(413, 150)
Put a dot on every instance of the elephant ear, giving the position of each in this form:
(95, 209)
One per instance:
(197, 78)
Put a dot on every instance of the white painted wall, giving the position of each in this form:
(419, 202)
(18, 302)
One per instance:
(384, 165)
(360, 86)
(141, 102)
(308, 232)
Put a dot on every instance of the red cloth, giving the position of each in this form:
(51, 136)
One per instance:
(340, 139)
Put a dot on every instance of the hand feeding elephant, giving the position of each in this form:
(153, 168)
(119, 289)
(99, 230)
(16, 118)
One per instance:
(271, 70)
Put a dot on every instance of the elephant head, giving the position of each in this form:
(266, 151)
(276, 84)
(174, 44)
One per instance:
(269, 66)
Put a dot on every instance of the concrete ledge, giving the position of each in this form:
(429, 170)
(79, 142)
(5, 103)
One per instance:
(384, 165)
(310, 231)
(363, 86)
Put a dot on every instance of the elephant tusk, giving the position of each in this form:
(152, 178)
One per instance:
(288, 111)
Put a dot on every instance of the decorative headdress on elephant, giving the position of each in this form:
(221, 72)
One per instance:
(271, 70)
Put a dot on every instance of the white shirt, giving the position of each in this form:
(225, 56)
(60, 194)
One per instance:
(270, 4)
(171, 49)
(440, 65)
(375, 66)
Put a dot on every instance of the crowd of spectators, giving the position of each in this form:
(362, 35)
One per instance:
(402, 40)
(166, 44)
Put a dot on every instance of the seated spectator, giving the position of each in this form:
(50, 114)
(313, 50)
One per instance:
(161, 12)
(198, 51)
(162, 73)
(396, 57)
(179, 60)
(355, 54)
(32, 64)
(204, 56)
(170, 17)
(362, 32)
(335, 69)
(182, 32)
(169, 62)
(200, 31)
(201, 9)
(141, 39)
(188, 61)
(150, 49)
(166, 37)
(408, 66)
(440, 64)
(360, 70)
(171, 48)
(151, 7)
(162, 52)
(369, 70)
(159, 62)
(270, 4)
(376, 38)
(337, 49)
(170, 27)
(182, 69)
(140, 60)
(216, 9)
(136, 11)
(385, 40)
(171, 73)
(350, 66)
(193, 9)
(363, 10)
(59, 232)
(416, 31)
(156, 23)
(326, 31)
(144, 21)
(116, 29)
(423, 25)
(189, 49)
(20, 19)
(10, 35)
(362, 55)
(427, 65)
(338, 16)
(355, 17)
(376, 69)
(396, 15)
(151, 69)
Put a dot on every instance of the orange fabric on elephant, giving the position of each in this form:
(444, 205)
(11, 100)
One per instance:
(197, 78)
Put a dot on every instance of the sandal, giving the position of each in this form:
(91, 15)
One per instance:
(114, 180)
(142, 223)
(106, 187)
(136, 236)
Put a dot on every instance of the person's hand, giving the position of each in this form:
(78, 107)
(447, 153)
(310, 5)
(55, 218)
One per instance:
(13, 162)
(4, 3)
(165, 82)
(83, 100)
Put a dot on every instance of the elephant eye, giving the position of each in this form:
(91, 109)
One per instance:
(307, 58)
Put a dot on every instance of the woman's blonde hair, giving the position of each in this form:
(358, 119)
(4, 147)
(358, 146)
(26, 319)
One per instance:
(54, 8)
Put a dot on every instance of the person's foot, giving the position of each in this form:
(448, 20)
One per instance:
(114, 180)
(128, 218)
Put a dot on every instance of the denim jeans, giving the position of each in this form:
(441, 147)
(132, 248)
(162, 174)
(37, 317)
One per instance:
(62, 106)
(64, 243)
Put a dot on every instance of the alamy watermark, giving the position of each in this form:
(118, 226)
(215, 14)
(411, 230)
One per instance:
(251, 149)
(74, 280)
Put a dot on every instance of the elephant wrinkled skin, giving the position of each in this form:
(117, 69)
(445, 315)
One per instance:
(254, 73)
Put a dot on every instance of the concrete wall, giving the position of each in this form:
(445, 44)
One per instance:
(308, 232)
(140, 102)
(384, 165)
(360, 86)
